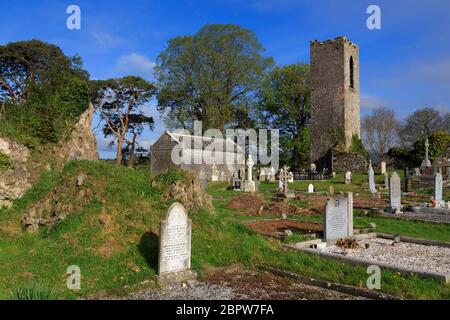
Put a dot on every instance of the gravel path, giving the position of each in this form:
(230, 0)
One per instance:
(409, 255)
(241, 285)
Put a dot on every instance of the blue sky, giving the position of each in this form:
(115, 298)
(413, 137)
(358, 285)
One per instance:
(404, 66)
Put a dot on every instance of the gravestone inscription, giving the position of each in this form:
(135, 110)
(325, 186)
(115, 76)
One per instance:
(175, 247)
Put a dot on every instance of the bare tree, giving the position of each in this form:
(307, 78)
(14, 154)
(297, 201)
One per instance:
(420, 125)
(380, 132)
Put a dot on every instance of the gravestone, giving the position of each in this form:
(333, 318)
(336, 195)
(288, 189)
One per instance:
(438, 187)
(395, 195)
(313, 167)
(175, 247)
(348, 178)
(291, 177)
(383, 167)
(311, 188)
(338, 218)
(426, 163)
(386, 180)
(221, 176)
(371, 176)
(251, 187)
(409, 184)
(417, 172)
(214, 173)
(280, 186)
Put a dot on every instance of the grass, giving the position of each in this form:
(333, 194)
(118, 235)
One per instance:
(126, 253)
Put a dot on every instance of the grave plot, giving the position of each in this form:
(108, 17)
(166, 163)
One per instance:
(277, 228)
(408, 256)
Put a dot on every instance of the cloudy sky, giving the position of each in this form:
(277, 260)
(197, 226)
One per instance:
(404, 66)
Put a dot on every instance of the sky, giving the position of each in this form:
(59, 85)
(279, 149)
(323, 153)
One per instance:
(404, 66)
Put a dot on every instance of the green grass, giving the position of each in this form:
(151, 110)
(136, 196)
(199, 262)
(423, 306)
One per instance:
(219, 239)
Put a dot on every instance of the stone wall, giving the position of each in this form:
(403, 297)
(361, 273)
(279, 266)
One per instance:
(347, 161)
(335, 104)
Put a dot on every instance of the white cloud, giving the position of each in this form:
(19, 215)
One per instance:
(135, 64)
(370, 102)
(105, 39)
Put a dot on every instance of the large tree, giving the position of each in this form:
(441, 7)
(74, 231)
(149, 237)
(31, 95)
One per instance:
(120, 103)
(420, 125)
(285, 105)
(380, 132)
(211, 76)
(34, 63)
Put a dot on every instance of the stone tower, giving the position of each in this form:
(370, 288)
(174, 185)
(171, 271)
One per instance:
(335, 97)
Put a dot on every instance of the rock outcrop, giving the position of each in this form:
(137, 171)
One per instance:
(15, 181)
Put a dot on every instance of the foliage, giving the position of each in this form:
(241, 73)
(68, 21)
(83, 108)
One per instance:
(285, 105)
(439, 142)
(380, 132)
(33, 290)
(421, 124)
(120, 102)
(211, 76)
(43, 91)
(358, 147)
(5, 162)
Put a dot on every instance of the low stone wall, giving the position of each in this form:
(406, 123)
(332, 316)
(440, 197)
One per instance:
(347, 161)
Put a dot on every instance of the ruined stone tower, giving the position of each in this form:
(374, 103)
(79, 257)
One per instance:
(335, 97)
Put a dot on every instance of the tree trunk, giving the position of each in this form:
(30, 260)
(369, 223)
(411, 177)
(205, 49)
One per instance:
(119, 149)
(132, 150)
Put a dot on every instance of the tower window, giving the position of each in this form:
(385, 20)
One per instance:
(352, 73)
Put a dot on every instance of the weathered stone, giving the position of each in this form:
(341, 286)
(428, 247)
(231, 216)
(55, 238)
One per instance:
(338, 218)
(175, 247)
(395, 196)
(438, 187)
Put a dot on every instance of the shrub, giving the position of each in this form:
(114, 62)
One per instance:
(33, 291)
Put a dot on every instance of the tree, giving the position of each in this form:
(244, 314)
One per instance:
(211, 76)
(420, 125)
(120, 103)
(439, 142)
(380, 132)
(25, 64)
(285, 105)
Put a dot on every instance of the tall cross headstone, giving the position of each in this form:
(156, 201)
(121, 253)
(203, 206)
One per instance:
(371, 176)
(251, 186)
(438, 187)
(395, 195)
(426, 162)
(175, 247)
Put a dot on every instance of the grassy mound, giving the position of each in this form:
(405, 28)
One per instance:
(113, 238)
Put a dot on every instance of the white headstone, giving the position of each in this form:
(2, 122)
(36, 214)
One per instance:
(313, 167)
(291, 177)
(438, 187)
(371, 175)
(395, 195)
(417, 171)
(175, 246)
(338, 218)
(383, 167)
(348, 177)
(311, 188)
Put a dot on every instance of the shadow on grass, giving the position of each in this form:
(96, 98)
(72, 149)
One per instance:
(149, 249)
